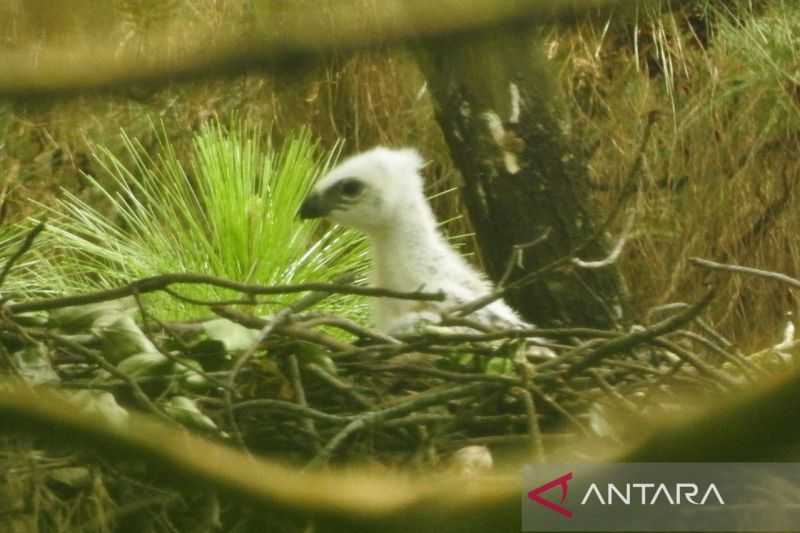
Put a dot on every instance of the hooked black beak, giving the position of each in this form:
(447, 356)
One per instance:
(313, 207)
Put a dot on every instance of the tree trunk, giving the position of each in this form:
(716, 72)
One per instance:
(496, 107)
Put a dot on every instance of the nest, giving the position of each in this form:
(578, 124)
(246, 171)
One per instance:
(313, 389)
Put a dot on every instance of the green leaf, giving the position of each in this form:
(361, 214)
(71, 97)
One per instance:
(500, 366)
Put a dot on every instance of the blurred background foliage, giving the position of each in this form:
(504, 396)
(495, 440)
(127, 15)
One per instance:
(717, 177)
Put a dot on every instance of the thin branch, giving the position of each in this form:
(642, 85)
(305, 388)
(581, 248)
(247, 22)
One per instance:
(276, 321)
(615, 252)
(534, 431)
(775, 276)
(162, 282)
(293, 409)
(295, 331)
(612, 392)
(561, 410)
(629, 341)
(631, 179)
(23, 248)
(300, 40)
(373, 418)
(517, 256)
(300, 395)
(238, 301)
(445, 374)
(100, 361)
(530, 333)
(747, 367)
(703, 368)
(339, 384)
(347, 325)
(176, 360)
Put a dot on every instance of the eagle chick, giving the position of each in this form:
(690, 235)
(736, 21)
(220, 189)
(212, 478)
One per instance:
(380, 193)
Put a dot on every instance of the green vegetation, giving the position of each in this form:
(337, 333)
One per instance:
(230, 213)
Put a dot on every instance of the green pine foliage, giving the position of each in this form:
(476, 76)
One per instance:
(231, 212)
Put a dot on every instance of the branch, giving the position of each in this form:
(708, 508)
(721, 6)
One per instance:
(372, 418)
(100, 361)
(300, 396)
(534, 431)
(24, 247)
(358, 502)
(626, 342)
(277, 320)
(300, 39)
(162, 282)
(615, 252)
(296, 409)
(296, 331)
(776, 276)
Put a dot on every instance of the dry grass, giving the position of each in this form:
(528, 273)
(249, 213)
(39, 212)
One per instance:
(719, 171)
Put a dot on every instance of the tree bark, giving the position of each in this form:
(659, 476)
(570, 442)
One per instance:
(496, 106)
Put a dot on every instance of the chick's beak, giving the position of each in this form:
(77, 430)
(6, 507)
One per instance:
(313, 207)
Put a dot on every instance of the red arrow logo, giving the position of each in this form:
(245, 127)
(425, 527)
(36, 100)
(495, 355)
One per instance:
(562, 481)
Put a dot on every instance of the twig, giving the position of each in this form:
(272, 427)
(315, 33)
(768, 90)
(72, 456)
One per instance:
(702, 324)
(290, 330)
(470, 420)
(612, 392)
(517, 256)
(346, 325)
(375, 417)
(776, 276)
(238, 301)
(629, 182)
(510, 334)
(177, 360)
(640, 336)
(339, 384)
(447, 375)
(100, 361)
(534, 431)
(515, 259)
(277, 320)
(159, 283)
(615, 252)
(300, 395)
(23, 248)
(701, 367)
(561, 410)
(293, 409)
(747, 367)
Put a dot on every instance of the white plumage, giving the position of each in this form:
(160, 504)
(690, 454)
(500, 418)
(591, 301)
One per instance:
(380, 192)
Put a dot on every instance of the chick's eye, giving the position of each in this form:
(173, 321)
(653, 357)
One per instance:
(351, 188)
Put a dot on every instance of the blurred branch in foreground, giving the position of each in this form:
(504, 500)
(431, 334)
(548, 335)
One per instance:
(297, 39)
(365, 501)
